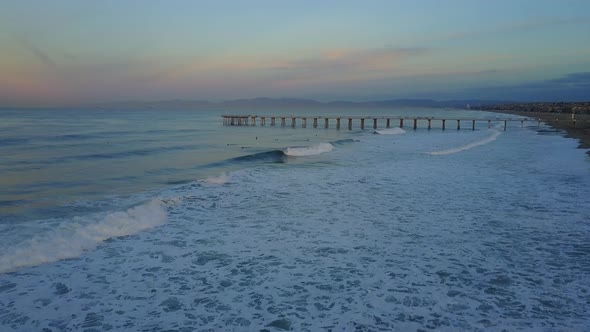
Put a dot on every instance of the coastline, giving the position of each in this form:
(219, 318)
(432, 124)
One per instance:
(562, 121)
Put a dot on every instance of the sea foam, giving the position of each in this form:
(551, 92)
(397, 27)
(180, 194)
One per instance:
(72, 239)
(221, 179)
(309, 150)
(469, 146)
(390, 131)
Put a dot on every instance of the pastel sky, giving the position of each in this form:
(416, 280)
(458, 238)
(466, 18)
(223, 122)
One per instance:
(75, 51)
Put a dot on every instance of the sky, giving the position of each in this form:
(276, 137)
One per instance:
(63, 52)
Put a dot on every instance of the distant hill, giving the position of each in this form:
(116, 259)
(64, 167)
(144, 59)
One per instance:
(272, 102)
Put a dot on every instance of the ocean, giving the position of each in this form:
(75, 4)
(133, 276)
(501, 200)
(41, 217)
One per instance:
(153, 220)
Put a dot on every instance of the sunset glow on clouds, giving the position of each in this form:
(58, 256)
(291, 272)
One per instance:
(73, 52)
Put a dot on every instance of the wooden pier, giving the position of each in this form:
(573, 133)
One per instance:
(252, 120)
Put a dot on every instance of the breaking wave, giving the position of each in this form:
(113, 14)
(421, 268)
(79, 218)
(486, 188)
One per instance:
(222, 179)
(344, 141)
(309, 150)
(280, 156)
(73, 239)
(469, 146)
(274, 156)
(390, 131)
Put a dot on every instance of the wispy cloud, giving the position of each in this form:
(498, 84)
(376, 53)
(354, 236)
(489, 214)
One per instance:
(511, 27)
(575, 79)
(322, 65)
(570, 81)
(342, 65)
(574, 86)
(353, 59)
(541, 23)
(38, 53)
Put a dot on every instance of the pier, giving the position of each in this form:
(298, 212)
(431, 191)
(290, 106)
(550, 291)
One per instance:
(252, 120)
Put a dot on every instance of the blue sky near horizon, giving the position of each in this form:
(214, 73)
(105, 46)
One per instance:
(67, 51)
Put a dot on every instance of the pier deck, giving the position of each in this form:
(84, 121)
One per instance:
(251, 120)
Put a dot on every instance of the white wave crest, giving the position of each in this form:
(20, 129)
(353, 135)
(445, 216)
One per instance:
(309, 150)
(73, 239)
(469, 146)
(390, 131)
(222, 179)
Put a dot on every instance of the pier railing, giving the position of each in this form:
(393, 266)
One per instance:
(251, 120)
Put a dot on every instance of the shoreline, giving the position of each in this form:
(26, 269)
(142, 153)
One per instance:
(562, 121)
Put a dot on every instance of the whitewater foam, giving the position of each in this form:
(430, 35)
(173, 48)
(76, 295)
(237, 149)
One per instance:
(390, 131)
(469, 146)
(309, 150)
(222, 179)
(71, 240)
(310, 246)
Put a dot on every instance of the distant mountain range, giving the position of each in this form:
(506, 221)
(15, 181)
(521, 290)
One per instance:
(291, 103)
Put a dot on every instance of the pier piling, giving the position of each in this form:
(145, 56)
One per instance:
(250, 120)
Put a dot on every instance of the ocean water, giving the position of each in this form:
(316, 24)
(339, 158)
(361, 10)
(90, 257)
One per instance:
(166, 220)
